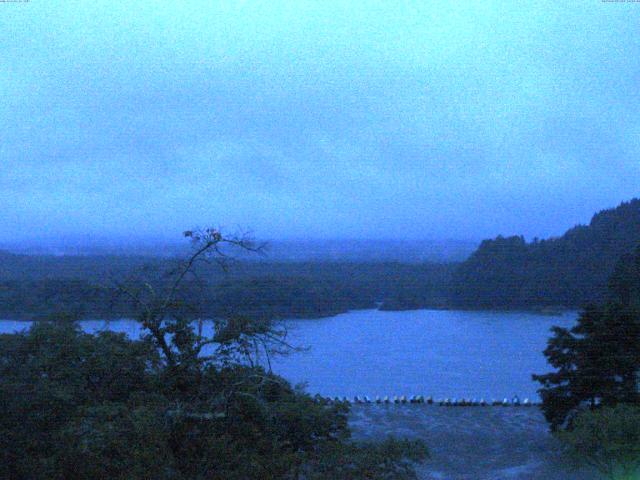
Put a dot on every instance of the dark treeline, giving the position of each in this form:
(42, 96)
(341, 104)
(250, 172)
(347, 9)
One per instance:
(296, 251)
(504, 273)
(569, 271)
(39, 286)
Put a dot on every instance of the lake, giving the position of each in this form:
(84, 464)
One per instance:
(441, 353)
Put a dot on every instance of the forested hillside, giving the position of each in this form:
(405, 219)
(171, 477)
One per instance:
(567, 271)
(37, 286)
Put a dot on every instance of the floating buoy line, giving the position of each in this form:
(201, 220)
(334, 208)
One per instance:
(419, 399)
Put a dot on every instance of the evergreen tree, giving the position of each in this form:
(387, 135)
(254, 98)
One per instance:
(597, 362)
(571, 270)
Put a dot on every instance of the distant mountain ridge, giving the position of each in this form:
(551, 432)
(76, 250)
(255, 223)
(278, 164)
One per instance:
(320, 278)
(571, 270)
(336, 250)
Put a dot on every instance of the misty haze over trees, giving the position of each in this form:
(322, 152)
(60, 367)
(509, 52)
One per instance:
(439, 188)
(565, 272)
(346, 250)
(202, 403)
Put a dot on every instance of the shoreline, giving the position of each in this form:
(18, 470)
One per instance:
(551, 312)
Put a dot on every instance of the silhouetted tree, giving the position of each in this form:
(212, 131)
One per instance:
(597, 361)
(182, 403)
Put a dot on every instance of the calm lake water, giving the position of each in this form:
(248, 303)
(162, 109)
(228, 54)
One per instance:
(422, 352)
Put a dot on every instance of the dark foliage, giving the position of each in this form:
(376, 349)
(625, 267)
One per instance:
(79, 406)
(606, 439)
(36, 287)
(504, 273)
(597, 362)
(569, 271)
(179, 404)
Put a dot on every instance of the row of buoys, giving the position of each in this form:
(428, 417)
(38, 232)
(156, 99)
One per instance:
(446, 402)
(464, 402)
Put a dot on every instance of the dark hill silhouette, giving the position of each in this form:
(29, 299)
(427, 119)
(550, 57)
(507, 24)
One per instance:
(503, 273)
(570, 270)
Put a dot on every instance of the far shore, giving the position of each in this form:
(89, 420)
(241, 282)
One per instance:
(542, 310)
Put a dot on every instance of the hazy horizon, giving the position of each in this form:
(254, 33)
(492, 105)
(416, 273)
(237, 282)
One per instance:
(315, 120)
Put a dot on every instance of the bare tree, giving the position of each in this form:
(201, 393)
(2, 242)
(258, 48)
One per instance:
(177, 326)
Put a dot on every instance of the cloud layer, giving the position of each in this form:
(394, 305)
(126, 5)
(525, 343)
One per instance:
(316, 119)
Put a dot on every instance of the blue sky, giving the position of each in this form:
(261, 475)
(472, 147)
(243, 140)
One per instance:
(316, 119)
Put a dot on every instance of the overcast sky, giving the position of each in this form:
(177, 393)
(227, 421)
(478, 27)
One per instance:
(316, 119)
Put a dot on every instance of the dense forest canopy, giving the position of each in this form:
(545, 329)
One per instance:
(570, 270)
(37, 286)
(506, 272)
